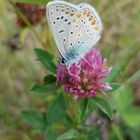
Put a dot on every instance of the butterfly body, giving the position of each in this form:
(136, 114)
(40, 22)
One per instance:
(74, 54)
(76, 29)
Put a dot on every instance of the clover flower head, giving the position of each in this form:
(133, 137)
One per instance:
(85, 78)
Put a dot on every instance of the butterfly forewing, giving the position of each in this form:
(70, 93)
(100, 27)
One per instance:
(86, 6)
(85, 30)
(60, 15)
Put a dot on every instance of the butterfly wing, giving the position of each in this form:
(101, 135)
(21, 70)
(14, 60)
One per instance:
(86, 6)
(85, 30)
(60, 14)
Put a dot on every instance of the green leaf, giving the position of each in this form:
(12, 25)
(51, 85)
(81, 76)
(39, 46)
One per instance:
(122, 99)
(32, 1)
(93, 137)
(46, 59)
(114, 87)
(34, 118)
(50, 134)
(92, 129)
(71, 134)
(117, 132)
(113, 73)
(48, 85)
(43, 88)
(104, 105)
(69, 119)
(132, 116)
(57, 110)
(49, 79)
(82, 109)
(132, 133)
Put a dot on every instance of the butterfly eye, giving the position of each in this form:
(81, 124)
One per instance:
(71, 32)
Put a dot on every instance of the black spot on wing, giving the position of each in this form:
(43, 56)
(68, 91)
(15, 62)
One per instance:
(61, 31)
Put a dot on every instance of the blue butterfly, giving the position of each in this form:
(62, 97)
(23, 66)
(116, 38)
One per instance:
(76, 29)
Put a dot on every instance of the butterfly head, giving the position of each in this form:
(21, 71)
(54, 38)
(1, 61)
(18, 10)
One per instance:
(63, 61)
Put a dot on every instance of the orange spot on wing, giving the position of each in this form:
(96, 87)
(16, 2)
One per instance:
(93, 22)
(67, 12)
(88, 14)
(78, 15)
(84, 12)
(90, 18)
(96, 28)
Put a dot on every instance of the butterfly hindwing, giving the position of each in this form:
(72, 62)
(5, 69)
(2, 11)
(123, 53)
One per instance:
(60, 14)
(86, 6)
(85, 30)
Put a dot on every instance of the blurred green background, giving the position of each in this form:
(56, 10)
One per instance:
(120, 44)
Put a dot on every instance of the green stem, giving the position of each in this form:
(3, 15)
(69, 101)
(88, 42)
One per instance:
(24, 18)
(117, 132)
(74, 108)
(82, 109)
